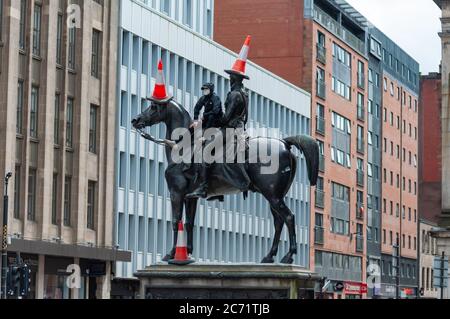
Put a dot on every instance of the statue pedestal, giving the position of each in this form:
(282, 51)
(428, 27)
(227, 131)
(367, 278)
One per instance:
(226, 281)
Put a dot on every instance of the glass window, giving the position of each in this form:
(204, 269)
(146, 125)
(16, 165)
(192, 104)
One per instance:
(59, 34)
(31, 214)
(34, 112)
(96, 47)
(69, 123)
(67, 200)
(54, 198)
(23, 16)
(71, 48)
(19, 112)
(37, 29)
(91, 205)
(93, 129)
(56, 120)
(17, 192)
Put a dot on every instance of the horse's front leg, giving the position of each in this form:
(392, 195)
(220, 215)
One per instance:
(176, 199)
(191, 209)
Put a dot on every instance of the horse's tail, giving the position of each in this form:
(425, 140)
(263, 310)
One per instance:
(310, 149)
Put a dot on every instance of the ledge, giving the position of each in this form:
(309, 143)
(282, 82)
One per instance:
(62, 250)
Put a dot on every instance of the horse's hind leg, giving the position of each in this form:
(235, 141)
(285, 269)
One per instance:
(191, 209)
(278, 223)
(288, 217)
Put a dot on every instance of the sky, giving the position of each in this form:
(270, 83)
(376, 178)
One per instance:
(412, 24)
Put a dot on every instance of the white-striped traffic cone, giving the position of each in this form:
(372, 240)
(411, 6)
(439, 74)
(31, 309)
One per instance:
(181, 253)
(160, 93)
(240, 64)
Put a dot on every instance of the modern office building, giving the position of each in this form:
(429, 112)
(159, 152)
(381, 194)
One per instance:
(179, 33)
(399, 89)
(331, 50)
(57, 133)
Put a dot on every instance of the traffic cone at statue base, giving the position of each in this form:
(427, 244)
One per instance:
(181, 255)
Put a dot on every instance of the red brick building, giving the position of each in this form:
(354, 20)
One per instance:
(430, 147)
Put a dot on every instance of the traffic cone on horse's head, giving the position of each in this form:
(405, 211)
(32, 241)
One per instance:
(241, 62)
(181, 254)
(160, 93)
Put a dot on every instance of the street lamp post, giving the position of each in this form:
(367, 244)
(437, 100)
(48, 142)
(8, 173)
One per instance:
(5, 238)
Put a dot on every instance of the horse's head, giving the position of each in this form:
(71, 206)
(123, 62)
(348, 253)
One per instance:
(156, 113)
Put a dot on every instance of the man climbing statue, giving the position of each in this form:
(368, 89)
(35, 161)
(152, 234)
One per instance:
(212, 116)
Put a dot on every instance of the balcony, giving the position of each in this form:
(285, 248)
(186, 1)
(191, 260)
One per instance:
(359, 211)
(360, 112)
(359, 243)
(334, 27)
(321, 89)
(319, 235)
(361, 81)
(321, 54)
(320, 198)
(360, 147)
(320, 125)
(322, 163)
(360, 178)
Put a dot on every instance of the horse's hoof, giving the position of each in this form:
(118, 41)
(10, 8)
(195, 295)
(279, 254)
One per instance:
(287, 260)
(167, 258)
(267, 260)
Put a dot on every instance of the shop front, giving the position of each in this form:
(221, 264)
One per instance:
(343, 290)
(355, 290)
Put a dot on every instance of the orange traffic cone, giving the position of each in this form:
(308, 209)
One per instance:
(160, 93)
(181, 254)
(241, 62)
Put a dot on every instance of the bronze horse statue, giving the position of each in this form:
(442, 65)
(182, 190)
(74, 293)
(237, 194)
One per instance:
(273, 187)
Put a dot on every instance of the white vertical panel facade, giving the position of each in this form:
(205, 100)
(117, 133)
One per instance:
(228, 232)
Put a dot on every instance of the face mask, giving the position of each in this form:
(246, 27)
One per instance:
(206, 92)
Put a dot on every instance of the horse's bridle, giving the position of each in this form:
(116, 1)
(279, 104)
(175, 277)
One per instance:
(155, 140)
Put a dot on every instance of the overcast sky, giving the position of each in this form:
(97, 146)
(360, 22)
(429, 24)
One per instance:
(412, 24)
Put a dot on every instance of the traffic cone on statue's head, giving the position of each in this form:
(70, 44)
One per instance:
(160, 93)
(241, 62)
(181, 254)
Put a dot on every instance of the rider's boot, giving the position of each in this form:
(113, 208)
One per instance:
(202, 190)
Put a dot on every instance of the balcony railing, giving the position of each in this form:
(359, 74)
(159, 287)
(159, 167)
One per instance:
(320, 198)
(360, 146)
(319, 235)
(322, 163)
(360, 178)
(361, 80)
(320, 125)
(359, 243)
(360, 112)
(334, 27)
(321, 54)
(320, 89)
(359, 211)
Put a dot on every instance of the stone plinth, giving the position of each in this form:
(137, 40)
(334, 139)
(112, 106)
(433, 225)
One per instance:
(226, 281)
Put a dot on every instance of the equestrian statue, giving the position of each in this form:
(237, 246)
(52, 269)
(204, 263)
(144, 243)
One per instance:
(187, 182)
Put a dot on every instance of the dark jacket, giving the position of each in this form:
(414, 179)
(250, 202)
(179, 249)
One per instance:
(212, 113)
(236, 108)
